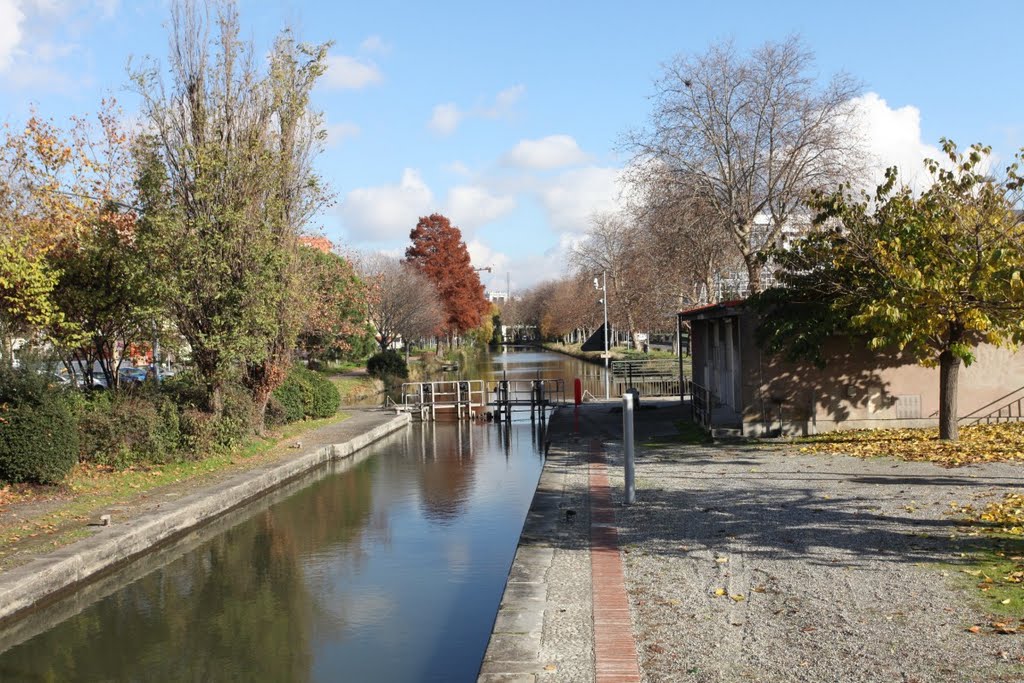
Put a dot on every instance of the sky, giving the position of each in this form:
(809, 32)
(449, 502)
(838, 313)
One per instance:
(509, 117)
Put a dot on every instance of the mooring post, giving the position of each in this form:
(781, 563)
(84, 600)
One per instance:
(627, 442)
(532, 398)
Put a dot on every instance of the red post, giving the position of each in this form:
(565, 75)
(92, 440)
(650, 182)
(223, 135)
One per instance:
(578, 387)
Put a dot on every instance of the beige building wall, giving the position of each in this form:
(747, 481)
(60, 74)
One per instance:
(860, 389)
(857, 389)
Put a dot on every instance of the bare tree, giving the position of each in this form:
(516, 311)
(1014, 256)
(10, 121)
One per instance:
(751, 135)
(684, 237)
(402, 303)
(617, 247)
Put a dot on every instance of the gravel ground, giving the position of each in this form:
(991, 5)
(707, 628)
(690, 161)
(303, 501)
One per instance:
(843, 566)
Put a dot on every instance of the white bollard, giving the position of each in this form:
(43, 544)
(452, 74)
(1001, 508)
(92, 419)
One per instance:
(627, 442)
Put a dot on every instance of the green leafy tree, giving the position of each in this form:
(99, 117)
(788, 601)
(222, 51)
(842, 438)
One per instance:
(226, 185)
(336, 323)
(932, 274)
(103, 291)
(26, 288)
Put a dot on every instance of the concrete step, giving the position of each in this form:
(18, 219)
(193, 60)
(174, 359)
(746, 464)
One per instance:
(726, 433)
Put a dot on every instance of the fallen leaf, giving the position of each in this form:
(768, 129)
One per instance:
(974, 629)
(737, 597)
(720, 592)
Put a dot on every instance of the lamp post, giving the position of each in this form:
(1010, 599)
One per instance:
(604, 300)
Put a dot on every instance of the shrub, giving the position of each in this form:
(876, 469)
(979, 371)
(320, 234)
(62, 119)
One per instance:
(38, 439)
(305, 393)
(124, 429)
(324, 399)
(275, 415)
(198, 432)
(387, 364)
(185, 390)
(290, 396)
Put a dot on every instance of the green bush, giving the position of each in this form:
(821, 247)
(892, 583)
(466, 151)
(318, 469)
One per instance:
(326, 398)
(291, 397)
(387, 364)
(198, 432)
(185, 390)
(305, 393)
(38, 438)
(275, 415)
(128, 428)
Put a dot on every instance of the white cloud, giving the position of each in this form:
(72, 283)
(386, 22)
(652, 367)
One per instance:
(471, 206)
(575, 196)
(446, 118)
(892, 137)
(339, 132)
(11, 18)
(376, 45)
(386, 212)
(350, 73)
(509, 96)
(456, 167)
(40, 42)
(483, 256)
(553, 151)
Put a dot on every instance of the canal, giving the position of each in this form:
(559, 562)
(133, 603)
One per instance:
(386, 567)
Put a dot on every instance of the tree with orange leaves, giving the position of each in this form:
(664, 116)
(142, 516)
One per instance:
(438, 252)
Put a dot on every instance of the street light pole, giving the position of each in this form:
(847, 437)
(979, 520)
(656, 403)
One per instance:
(604, 300)
(607, 359)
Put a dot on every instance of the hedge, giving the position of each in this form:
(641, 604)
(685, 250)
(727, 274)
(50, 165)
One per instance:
(38, 430)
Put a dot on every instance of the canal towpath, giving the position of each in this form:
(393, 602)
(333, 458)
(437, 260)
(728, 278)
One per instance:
(163, 514)
(564, 615)
(745, 562)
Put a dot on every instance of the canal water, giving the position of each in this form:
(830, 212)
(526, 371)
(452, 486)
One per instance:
(386, 567)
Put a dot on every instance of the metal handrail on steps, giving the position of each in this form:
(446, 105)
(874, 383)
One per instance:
(1011, 411)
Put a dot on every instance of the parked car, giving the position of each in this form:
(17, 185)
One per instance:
(132, 375)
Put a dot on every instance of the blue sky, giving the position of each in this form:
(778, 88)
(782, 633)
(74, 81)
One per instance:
(506, 116)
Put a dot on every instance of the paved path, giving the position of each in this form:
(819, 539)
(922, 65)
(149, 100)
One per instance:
(749, 563)
(565, 613)
(614, 644)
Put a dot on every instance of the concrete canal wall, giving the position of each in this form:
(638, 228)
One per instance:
(52, 575)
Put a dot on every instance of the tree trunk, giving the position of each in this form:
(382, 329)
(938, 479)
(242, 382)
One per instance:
(949, 370)
(754, 269)
(215, 395)
(7, 352)
(260, 399)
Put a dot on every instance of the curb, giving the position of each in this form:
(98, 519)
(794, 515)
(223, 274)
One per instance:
(51, 575)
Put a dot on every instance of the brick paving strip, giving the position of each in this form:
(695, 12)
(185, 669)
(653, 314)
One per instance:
(614, 644)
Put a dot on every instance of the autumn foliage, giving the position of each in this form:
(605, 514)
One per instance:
(977, 444)
(438, 252)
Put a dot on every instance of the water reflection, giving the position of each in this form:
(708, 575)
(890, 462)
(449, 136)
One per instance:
(390, 570)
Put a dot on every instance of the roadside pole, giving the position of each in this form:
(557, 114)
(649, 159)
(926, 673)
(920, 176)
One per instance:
(627, 442)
